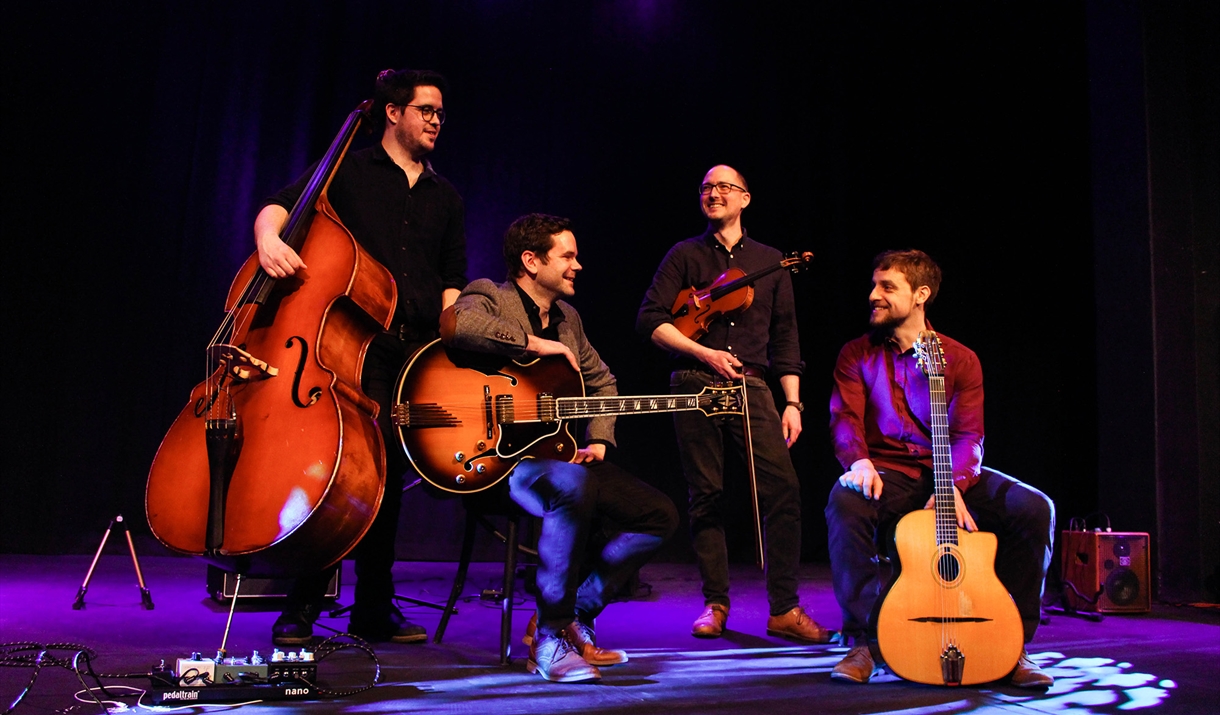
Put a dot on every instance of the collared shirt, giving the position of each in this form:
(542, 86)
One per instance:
(550, 332)
(417, 232)
(763, 335)
(880, 408)
(554, 316)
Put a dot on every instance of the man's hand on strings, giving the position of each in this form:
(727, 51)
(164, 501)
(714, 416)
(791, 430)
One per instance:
(964, 520)
(863, 478)
(277, 258)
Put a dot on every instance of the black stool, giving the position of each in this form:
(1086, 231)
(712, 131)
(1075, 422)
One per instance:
(477, 513)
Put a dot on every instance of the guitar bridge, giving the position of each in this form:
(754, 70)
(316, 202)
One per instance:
(423, 415)
(952, 665)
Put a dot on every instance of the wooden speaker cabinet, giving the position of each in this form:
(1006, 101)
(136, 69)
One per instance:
(1107, 571)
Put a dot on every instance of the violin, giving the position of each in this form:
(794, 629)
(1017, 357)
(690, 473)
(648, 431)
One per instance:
(730, 294)
(275, 467)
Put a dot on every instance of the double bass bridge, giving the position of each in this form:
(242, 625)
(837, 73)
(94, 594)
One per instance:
(240, 365)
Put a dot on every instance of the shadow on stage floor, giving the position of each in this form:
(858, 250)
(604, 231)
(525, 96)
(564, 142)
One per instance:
(1162, 662)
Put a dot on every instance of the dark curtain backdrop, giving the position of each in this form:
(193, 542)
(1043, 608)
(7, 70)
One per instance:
(142, 138)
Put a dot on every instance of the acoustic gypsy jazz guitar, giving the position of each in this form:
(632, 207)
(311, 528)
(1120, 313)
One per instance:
(947, 619)
(466, 419)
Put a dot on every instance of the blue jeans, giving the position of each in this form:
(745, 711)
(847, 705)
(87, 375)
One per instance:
(570, 499)
(1021, 517)
(701, 444)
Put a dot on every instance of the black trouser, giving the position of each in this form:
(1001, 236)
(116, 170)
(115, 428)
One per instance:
(1021, 517)
(701, 444)
(374, 555)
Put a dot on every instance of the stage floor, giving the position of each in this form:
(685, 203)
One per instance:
(1164, 662)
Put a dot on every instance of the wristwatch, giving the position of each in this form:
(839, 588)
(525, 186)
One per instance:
(800, 406)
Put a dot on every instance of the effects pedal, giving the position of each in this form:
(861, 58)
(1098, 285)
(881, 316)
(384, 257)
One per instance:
(285, 676)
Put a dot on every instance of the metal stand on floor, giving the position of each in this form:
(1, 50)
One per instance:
(145, 596)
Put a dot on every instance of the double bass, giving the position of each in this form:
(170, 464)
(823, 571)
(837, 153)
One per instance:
(276, 467)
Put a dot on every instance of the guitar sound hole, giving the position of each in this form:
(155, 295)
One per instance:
(949, 567)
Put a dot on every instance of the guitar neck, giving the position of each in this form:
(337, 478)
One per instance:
(579, 407)
(942, 464)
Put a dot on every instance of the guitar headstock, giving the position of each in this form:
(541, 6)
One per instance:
(930, 353)
(797, 260)
(720, 399)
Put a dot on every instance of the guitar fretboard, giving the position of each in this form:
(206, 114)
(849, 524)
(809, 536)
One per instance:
(942, 464)
(577, 407)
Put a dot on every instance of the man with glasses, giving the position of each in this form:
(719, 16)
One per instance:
(412, 221)
(739, 346)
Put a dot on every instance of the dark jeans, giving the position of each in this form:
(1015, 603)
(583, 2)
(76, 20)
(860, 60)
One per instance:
(1021, 517)
(374, 555)
(701, 445)
(568, 498)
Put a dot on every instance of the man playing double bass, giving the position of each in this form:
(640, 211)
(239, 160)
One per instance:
(880, 424)
(412, 221)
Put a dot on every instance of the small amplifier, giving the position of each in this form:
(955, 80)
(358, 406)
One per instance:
(221, 585)
(1106, 571)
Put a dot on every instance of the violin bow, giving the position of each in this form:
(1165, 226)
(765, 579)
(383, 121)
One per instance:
(759, 553)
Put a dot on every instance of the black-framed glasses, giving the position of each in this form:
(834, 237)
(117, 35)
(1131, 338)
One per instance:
(427, 112)
(723, 187)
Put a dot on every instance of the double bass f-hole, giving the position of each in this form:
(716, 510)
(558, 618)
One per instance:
(315, 392)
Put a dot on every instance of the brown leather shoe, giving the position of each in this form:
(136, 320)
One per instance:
(531, 630)
(856, 667)
(556, 660)
(796, 625)
(582, 638)
(585, 640)
(1027, 674)
(710, 623)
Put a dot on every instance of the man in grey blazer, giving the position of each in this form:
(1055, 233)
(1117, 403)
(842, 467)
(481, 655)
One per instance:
(524, 318)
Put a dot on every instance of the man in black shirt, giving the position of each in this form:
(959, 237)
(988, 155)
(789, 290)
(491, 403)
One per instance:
(741, 346)
(412, 221)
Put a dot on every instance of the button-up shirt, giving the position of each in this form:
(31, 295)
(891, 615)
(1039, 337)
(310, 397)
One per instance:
(880, 408)
(763, 335)
(417, 232)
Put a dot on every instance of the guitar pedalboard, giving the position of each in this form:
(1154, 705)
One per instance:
(197, 680)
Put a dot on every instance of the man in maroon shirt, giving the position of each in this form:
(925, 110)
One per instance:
(880, 423)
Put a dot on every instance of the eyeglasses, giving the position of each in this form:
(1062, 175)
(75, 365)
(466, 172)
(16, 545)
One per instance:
(723, 187)
(427, 112)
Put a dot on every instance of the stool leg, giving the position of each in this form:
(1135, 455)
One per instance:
(459, 581)
(506, 603)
